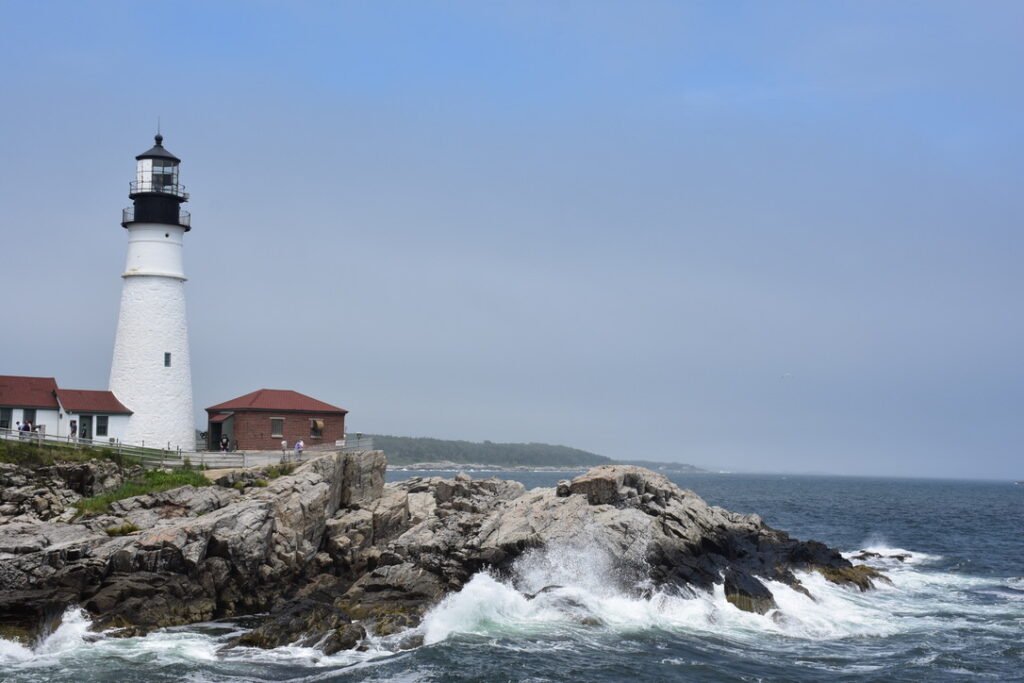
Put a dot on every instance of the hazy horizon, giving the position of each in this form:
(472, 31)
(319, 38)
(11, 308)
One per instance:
(744, 236)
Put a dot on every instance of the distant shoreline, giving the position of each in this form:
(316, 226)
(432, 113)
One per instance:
(446, 466)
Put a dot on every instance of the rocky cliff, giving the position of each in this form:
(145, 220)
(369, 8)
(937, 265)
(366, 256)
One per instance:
(329, 553)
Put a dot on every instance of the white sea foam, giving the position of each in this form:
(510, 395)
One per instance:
(581, 592)
(11, 652)
(891, 556)
(73, 644)
(592, 594)
(69, 635)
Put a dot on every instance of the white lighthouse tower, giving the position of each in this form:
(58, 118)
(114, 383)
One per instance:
(151, 372)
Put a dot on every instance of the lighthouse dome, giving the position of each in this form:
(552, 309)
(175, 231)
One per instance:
(157, 151)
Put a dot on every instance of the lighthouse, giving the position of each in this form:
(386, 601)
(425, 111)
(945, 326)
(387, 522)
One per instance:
(151, 373)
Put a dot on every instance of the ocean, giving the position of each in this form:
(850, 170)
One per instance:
(954, 551)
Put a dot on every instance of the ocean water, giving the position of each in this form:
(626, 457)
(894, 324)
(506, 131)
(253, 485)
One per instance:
(955, 610)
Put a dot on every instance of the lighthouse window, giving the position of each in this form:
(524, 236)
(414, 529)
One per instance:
(164, 172)
(167, 360)
(145, 171)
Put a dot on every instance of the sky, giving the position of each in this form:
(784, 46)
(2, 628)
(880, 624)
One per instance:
(761, 237)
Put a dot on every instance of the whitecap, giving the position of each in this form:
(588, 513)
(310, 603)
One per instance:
(587, 590)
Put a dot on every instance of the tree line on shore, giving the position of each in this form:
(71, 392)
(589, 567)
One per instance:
(407, 450)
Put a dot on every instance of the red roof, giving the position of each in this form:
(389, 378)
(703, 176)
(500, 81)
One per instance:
(87, 401)
(278, 400)
(28, 392)
(221, 417)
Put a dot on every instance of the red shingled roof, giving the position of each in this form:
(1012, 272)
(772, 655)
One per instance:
(28, 392)
(87, 401)
(278, 400)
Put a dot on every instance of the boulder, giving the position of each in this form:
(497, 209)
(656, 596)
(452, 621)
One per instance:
(747, 593)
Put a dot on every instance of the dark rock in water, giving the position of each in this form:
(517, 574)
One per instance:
(747, 593)
(27, 615)
(860, 576)
(333, 554)
(306, 622)
(867, 555)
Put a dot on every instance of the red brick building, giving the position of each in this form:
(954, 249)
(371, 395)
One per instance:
(263, 419)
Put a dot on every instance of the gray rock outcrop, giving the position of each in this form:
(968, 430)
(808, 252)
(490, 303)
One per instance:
(333, 554)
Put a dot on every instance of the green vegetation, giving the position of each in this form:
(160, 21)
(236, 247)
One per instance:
(32, 455)
(275, 471)
(260, 483)
(151, 481)
(239, 484)
(123, 530)
(404, 450)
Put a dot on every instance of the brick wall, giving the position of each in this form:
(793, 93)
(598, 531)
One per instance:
(252, 429)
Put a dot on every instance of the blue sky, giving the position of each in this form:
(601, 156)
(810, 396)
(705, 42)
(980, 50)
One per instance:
(749, 236)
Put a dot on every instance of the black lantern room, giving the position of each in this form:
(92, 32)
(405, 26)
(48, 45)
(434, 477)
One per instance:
(156, 192)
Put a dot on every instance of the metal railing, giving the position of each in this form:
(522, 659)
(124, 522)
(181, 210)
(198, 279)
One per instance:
(174, 189)
(150, 457)
(349, 444)
(128, 216)
(146, 456)
(358, 443)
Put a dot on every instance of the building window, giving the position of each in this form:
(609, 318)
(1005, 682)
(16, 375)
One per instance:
(316, 429)
(277, 426)
(5, 418)
(101, 425)
(167, 359)
(29, 415)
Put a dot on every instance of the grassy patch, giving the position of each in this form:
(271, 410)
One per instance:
(261, 483)
(151, 481)
(284, 469)
(33, 455)
(123, 530)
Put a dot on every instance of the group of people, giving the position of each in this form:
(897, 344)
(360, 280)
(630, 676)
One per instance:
(25, 427)
(299, 445)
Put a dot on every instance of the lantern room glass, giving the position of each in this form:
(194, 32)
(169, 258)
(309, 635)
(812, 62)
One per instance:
(157, 175)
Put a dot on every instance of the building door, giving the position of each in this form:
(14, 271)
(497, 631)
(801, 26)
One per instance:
(85, 429)
(213, 438)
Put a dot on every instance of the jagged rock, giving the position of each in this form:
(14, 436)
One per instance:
(747, 593)
(860, 576)
(203, 552)
(92, 477)
(333, 553)
(364, 476)
(185, 501)
(306, 622)
(392, 598)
